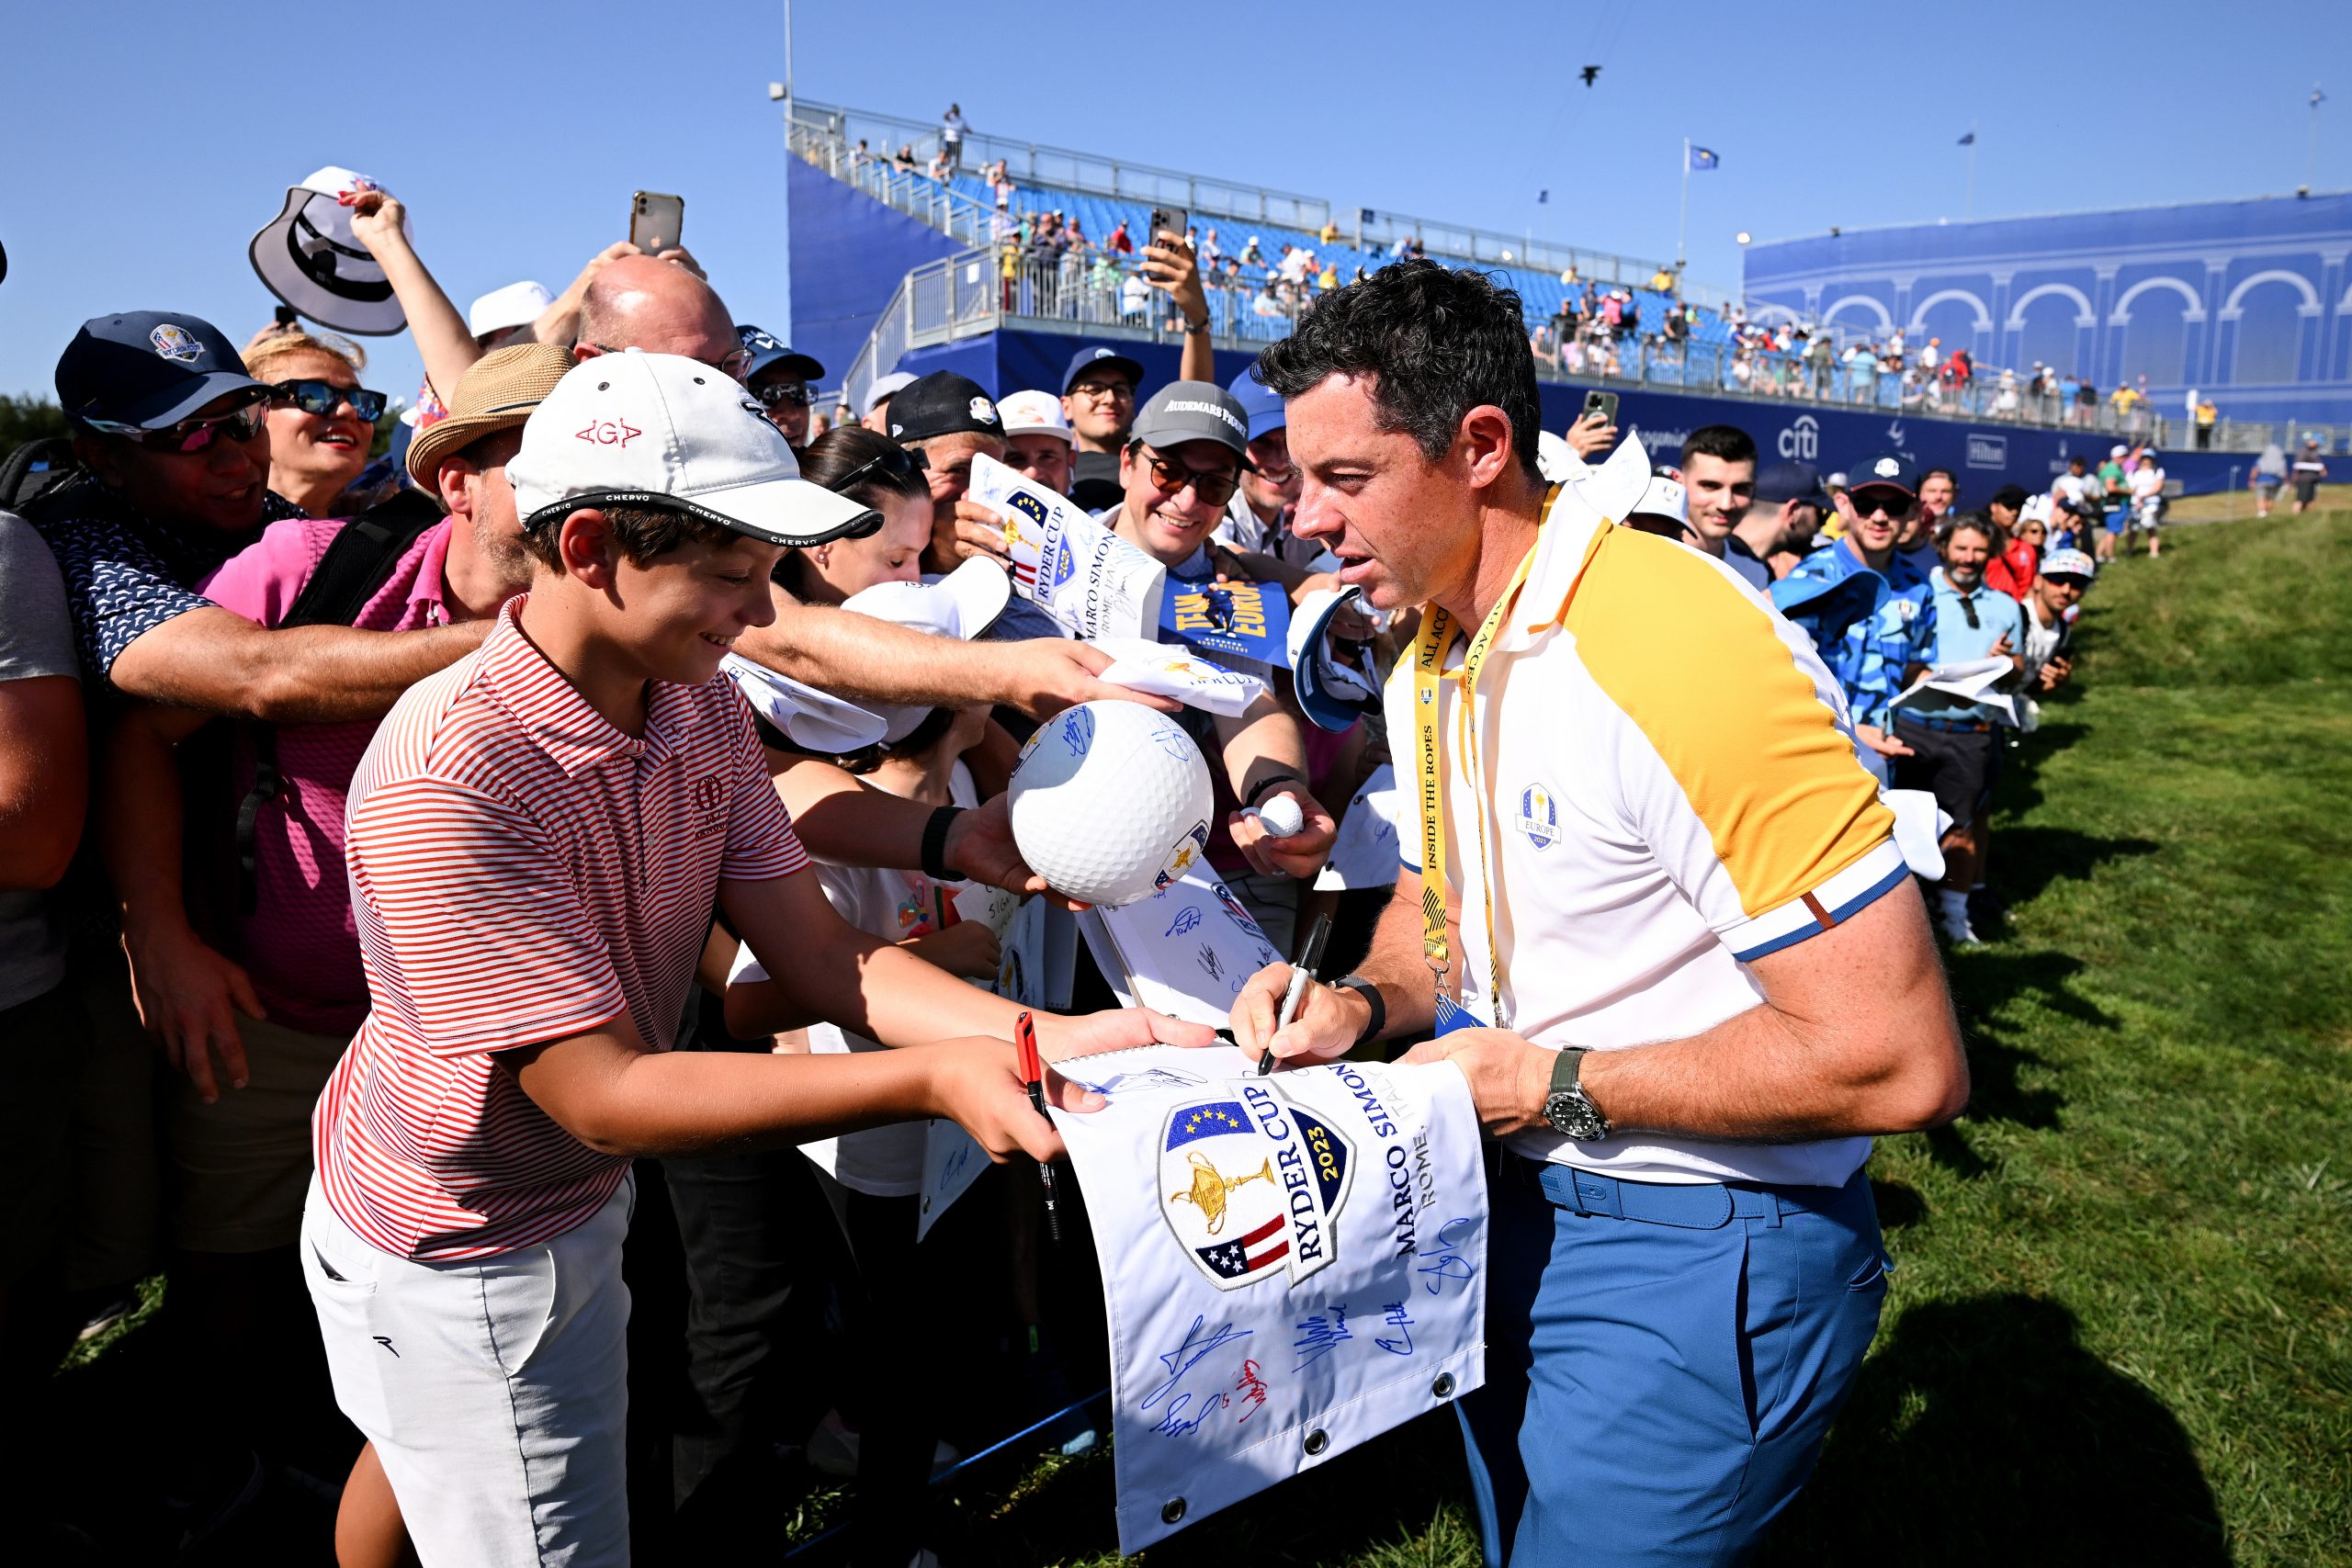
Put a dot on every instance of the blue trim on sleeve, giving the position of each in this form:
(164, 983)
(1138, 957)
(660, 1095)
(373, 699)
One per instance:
(1843, 913)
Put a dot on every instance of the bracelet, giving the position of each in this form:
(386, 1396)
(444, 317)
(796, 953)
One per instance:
(1257, 791)
(1370, 993)
(934, 843)
(1192, 327)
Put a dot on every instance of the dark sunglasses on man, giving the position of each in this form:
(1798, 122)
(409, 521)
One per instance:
(323, 398)
(242, 422)
(1897, 506)
(790, 394)
(1171, 478)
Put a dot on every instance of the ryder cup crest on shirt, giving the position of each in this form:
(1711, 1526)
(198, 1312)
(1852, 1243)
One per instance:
(1538, 816)
(1253, 1185)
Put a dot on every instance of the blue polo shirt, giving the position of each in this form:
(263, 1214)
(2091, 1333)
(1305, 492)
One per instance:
(1997, 615)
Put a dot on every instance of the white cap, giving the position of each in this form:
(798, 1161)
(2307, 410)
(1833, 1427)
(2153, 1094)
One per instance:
(808, 718)
(2035, 510)
(637, 429)
(1034, 413)
(884, 388)
(516, 305)
(963, 604)
(309, 258)
(2117, 451)
(2068, 563)
(1663, 498)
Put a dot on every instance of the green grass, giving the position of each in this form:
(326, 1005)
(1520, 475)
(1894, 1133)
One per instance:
(2121, 1329)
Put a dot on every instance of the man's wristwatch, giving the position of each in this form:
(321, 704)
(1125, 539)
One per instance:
(1567, 1110)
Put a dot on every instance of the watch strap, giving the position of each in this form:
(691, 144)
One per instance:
(1565, 1070)
(934, 843)
(1371, 994)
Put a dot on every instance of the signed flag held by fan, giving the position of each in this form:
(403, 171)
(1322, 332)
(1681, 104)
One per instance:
(1292, 1264)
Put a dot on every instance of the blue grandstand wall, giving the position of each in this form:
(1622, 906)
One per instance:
(1985, 456)
(2247, 301)
(848, 254)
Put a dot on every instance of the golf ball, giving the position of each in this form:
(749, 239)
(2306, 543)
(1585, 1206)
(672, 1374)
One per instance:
(1110, 802)
(1281, 817)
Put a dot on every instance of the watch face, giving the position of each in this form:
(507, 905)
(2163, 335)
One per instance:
(1573, 1116)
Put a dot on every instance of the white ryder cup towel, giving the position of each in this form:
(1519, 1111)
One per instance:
(1292, 1265)
(1086, 577)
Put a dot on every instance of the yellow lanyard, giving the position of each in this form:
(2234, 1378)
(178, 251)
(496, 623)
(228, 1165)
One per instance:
(1436, 639)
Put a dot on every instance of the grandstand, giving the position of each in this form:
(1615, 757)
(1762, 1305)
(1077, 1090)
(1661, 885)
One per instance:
(895, 269)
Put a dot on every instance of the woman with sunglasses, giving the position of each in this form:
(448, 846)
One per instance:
(875, 471)
(321, 420)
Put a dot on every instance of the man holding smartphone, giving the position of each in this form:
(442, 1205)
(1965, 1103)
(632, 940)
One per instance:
(1102, 385)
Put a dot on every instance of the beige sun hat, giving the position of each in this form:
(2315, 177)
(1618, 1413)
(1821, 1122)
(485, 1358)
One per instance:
(497, 392)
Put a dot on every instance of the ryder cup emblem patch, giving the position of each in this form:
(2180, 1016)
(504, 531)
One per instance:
(1538, 815)
(1252, 1185)
(176, 343)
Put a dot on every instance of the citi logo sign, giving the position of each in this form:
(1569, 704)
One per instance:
(1801, 441)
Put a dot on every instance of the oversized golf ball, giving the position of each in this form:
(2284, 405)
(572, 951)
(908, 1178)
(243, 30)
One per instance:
(1110, 802)
(1280, 817)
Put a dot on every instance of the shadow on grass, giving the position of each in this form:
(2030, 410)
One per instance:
(2004, 1440)
(1983, 983)
(2027, 859)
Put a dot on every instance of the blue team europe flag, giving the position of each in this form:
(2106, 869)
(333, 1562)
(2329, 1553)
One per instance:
(1704, 158)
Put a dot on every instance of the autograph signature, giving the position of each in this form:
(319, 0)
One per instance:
(1443, 1262)
(1253, 1390)
(1320, 1336)
(1402, 1322)
(1197, 1345)
(1174, 1424)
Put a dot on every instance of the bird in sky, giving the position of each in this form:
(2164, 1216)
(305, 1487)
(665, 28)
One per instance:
(1590, 74)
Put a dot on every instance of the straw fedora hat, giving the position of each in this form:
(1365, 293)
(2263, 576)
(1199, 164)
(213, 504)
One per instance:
(497, 392)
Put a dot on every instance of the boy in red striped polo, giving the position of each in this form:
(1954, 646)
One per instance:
(536, 838)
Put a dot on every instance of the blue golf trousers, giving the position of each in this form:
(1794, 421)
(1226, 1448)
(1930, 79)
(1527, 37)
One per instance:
(1662, 1362)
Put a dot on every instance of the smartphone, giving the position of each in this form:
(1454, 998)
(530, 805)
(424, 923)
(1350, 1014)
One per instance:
(655, 221)
(1165, 221)
(1601, 403)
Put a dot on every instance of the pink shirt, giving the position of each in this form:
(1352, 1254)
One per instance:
(300, 944)
(523, 872)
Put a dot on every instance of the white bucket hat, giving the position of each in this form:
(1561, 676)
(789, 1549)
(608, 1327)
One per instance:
(516, 305)
(962, 605)
(308, 256)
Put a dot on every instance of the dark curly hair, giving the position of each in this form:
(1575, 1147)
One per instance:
(1435, 343)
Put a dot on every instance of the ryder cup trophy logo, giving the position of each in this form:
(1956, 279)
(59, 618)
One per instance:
(1252, 1185)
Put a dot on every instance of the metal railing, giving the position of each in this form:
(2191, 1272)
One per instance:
(916, 194)
(1367, 229)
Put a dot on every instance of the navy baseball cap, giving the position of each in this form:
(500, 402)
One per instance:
(767, 352)
(1100, 353)
(1261, 404)
(1890, 470)
(1790, 481)
(147, 368)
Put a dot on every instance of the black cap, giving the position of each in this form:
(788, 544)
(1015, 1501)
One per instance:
(148, 368)
(2011, 496)
(942, 403)
(1889, 471)
(1096, 354)
(1790, 481)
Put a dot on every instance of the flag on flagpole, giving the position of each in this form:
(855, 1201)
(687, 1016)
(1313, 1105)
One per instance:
(1541, 196)
(1702, 158)
(2318, 98)
(1969, 140)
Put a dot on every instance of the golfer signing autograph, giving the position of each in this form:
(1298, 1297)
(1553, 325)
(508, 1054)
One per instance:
(1688, 976)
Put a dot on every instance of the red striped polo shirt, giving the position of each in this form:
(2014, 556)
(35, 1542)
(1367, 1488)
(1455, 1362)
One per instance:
(521, 871)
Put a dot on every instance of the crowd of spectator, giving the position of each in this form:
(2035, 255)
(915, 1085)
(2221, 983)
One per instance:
(212, 600)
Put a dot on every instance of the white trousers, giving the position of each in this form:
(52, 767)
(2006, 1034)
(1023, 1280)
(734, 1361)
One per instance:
(495, 1390)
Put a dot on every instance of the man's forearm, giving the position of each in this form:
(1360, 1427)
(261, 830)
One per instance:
(1394, 965)
(858, 656)
(220, 663)
(1263, 742)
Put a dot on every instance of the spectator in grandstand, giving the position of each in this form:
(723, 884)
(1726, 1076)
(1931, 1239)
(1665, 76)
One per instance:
(2146, 482)
(778, 378)
(1778, 529)
(1183, 462)
(2085, 403)
(1885, 635)
(2007, 403)
(1037, 438)
(2049, 618)
(321, 420)
(1954, 748)
(1717, 469)
(2209, 414)
(951, 136)
(1119, 243)
(1861, 372)
(2311, 471)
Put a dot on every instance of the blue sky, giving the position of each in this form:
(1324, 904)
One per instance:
(146, 144)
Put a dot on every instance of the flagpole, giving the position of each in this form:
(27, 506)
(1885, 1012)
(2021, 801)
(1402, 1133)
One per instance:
(2310, 155)
(1968, 207)
(1682, 228)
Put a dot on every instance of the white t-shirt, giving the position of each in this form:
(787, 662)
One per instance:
(2147, 482)
(882, 1162)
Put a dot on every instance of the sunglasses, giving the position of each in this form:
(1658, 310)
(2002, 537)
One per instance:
(898, 463)
(1897, 511)
(1173, 478)
(323, 398)
(240, 423)
(792, 394)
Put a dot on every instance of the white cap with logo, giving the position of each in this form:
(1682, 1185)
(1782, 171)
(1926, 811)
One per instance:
(516, 305)
(635, 429)
(1034, 413)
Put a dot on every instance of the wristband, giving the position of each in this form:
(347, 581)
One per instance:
(1272, 781)
(934, 843)
(1370, 993)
